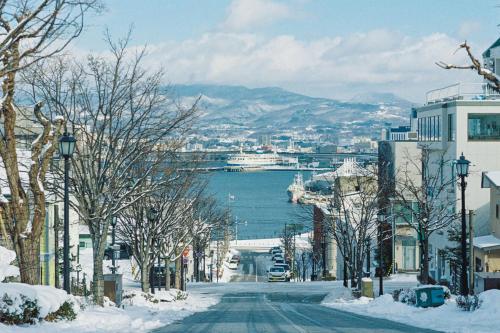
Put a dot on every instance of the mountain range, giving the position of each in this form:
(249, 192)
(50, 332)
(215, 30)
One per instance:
(281, 109)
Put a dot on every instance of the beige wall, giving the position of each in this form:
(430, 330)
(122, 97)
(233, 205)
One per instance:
(494, 202)
(492, 258)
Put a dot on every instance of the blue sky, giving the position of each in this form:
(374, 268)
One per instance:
(324, 48)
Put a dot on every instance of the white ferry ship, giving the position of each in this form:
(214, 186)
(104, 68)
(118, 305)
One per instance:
(258, 161)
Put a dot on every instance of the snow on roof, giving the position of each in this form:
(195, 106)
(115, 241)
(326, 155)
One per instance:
(490, 178)
(485, 242)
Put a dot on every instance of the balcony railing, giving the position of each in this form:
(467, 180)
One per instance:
(462, 91)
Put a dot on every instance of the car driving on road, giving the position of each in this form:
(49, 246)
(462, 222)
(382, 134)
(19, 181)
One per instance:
(276, 273)
(286, 267)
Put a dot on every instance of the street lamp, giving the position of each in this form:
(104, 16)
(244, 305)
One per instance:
(462, 172)
(381, 219)
(303, 266)
(67, 145)
(151, 216)
(113, 240)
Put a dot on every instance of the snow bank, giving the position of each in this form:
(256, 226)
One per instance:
(6, 258)
(49, 299)
(447, 318)
(138, 315)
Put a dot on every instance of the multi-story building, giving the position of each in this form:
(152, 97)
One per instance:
(461, 118)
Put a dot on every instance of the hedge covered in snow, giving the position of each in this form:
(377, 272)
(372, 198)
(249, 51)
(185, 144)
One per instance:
(26, 304)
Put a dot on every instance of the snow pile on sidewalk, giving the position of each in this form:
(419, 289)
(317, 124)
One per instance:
(6, 258)
(140, 312)
(448, 317)
(49, 299)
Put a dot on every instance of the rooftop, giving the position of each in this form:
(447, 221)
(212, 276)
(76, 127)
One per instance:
(486, 242)
(490, 179)
(462, 91)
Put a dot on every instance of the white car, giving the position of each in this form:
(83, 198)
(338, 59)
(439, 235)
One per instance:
(276, 273)
(286, 267)
(233, 264)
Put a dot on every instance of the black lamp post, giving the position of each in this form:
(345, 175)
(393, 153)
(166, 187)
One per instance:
(323, 254)
(151, 216)
(462, 172)
(67, 145)
(303, 266)
(381, 219)
(113, 240)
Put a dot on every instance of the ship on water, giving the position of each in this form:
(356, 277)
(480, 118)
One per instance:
(258, 161)
(296, 190)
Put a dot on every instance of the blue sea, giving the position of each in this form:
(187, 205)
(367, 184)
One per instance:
(258, 201)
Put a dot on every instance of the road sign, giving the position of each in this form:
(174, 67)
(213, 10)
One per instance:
(185, 261)
(185, 253)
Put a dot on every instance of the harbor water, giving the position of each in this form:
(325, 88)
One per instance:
(258, 201)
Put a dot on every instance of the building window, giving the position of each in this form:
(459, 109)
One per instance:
(82, 245)
(451, 127)
(429, 128)
(484, 127)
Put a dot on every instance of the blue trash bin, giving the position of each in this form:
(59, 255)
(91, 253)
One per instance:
(429, 296)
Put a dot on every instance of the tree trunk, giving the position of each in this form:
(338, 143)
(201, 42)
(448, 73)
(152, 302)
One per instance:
(178, 263)
(424, 278)
(145, 285)
(167, 274)
(28, 254)
(98, 279)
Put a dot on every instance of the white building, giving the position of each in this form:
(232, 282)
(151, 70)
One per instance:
(462, 118)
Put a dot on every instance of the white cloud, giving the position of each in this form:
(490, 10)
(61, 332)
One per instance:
(340, 66)
(334, 66)
(246, 14)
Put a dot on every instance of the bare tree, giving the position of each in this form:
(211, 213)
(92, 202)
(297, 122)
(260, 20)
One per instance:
(157, 223)
(352, 219)
(423, 201)
(31, 31)
(491, 78)
(122, 119)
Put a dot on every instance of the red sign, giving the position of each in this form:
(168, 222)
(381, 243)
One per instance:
(185, 253)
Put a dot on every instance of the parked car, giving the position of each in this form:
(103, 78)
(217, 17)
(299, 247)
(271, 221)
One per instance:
(276, 273)
(286, 267)
(278, 257)
(276, 251)
(274, 248)
(279, 262)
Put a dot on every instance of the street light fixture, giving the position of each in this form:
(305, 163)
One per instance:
(67, 145)
(462, 166)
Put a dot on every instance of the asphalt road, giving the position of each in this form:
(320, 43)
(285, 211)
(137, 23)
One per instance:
(280, 313)
(250, 304)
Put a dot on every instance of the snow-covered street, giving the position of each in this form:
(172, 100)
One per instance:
(447, 318)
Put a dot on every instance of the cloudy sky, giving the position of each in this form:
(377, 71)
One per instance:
(327, 48)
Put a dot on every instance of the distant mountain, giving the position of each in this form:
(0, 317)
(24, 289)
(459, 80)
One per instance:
(381, 98)
(279, 108)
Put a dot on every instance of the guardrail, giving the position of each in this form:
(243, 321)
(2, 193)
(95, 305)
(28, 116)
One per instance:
(462, 91)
